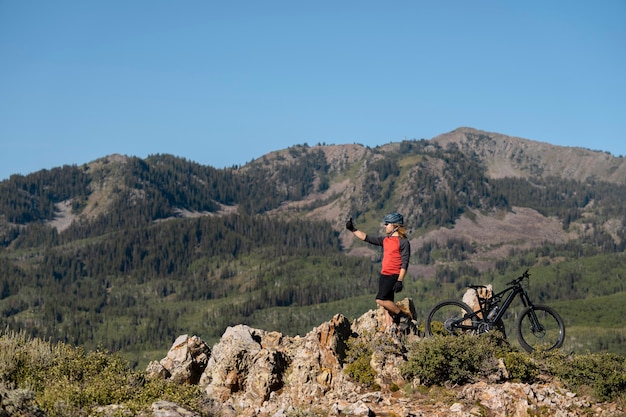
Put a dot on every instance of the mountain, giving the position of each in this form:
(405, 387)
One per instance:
(128, 253)
(506, 156)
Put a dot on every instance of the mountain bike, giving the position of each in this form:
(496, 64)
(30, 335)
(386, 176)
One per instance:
(538, 327)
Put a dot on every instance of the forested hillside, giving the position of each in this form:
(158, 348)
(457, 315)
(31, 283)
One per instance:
(128, 253)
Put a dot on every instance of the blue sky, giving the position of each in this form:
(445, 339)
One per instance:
(225, 82)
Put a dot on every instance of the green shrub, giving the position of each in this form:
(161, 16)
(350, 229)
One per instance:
(67, 381)
(457, 360)
(521, 367)
(604, 373)
(358, 367)
(21, 359)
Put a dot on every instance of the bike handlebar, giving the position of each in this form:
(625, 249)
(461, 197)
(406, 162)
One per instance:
(516, 281)
(519, 279)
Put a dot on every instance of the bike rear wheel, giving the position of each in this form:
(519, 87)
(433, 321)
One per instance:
(448, 318)
(540, 328)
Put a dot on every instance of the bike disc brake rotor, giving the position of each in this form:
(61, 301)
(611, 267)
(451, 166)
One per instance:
(448, 325)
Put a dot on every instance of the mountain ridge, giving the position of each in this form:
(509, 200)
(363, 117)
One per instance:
(523, 157)
(127, 243)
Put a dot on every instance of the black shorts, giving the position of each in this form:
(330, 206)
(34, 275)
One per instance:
(385, 287)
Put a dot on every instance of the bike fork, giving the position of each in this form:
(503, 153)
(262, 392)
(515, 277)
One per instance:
(535, 325)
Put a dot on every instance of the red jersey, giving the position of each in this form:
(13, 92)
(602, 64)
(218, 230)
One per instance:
(396, 253)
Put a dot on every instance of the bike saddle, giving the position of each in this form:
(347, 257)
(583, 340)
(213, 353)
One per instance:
(476, 287)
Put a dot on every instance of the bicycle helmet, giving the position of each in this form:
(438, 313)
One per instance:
(394, 218)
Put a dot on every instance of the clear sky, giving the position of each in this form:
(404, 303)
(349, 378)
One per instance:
(225, 82)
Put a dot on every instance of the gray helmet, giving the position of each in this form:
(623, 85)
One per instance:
(394, 218)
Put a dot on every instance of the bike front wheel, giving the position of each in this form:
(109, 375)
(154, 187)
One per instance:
(451, 317)
(540, 328)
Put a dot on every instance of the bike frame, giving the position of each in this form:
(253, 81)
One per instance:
(511, 292)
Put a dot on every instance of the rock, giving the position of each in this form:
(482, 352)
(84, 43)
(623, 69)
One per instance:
(407, 306)
(370, 322)
(169, 409)
(523, 400)
(156, 370)
(18, 402)
(471, 297)
(267, 369)
(227, 368)
(386, 363)
(500, 374)
(374, 320)
(185, 362)
(316, 362)
(456, 408)
(356, 409)
(332, 337)
(115, 410)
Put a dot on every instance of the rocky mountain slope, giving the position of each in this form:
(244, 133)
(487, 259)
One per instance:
(507, 156)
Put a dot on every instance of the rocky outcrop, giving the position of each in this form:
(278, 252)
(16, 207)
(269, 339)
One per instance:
(255, 367)
(185, 362)
(252, 372)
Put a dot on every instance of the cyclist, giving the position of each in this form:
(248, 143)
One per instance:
(396, 255)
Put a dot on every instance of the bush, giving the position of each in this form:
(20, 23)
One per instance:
(443, 360)
(439, 360)
(603, 373)
(358, 368)
(521, 367)
(67, 381)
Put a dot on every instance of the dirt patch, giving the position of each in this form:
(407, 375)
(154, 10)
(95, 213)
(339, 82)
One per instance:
(521, 224)
(185, 213)
(333, 211)
(63, 217)
(494, 235)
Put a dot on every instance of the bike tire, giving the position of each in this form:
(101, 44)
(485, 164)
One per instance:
(450, 312)
(550, 336)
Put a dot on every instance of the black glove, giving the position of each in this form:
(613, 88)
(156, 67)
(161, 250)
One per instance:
(350, 225)
(398, 286)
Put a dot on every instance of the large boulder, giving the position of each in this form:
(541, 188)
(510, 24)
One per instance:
(185, 362)
(232, 358)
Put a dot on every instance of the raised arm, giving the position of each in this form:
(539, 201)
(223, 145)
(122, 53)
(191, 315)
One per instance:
(350, 226)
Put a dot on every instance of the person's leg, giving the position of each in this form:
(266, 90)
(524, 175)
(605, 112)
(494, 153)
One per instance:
(391, 309)
(393, 313)
(384, 298)
(389, 305)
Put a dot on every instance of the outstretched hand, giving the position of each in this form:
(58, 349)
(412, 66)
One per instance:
(350, 225)
(398, 286)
